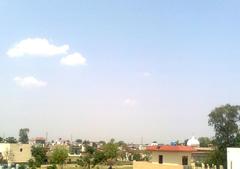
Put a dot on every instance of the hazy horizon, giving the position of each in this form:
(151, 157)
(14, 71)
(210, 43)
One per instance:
(117, 69)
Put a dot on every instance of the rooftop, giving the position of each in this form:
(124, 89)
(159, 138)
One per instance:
(168, 148)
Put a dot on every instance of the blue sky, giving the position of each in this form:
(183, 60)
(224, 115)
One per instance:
(153, 69)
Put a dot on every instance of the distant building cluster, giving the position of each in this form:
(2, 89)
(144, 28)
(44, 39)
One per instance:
(175, 153)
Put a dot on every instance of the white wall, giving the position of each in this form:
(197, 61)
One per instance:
(233, 158)
(16, 153)
(171, 157)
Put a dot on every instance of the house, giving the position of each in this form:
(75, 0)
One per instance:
(15, 153)
(166, 154)
(201, 154)
(38, 141)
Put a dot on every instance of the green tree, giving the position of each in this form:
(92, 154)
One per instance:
(224, 120)
(137, 157)
(39, 154)
(99, 158)
(185, 142)
(204, 141)
(102, 142)
(86, 142)
(10, 140)
(52, 167)
(1, 140)
(79, 141)
(121, 143)
(23, 135)
(22, 166)
(59, 155)
(32, 164)
(110, 151)
(88, 160)
(147, 155)
(215, 158)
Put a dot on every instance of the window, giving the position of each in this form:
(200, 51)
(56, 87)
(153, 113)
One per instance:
(185, 160)
(160, 159)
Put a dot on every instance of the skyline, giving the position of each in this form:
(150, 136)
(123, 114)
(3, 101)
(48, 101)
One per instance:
(111, 69)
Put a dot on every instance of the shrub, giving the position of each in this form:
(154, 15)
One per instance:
(52, 167)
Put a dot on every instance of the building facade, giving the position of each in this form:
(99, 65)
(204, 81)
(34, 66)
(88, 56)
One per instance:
(15, 153)
(177, 155)
(233, 156)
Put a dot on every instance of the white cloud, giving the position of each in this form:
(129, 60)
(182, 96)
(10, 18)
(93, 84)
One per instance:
(74, 59)
(130, 102)
(147, 74)
(29, 82)
(36, 47)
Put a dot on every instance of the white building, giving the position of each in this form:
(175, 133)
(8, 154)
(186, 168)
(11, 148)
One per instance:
(233, 158)
(177, 155)
(193, 142)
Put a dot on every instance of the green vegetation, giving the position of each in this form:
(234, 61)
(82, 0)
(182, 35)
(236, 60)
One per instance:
(89, 160)
(10, 140)
(39, 154)
(225, 121)
(99, 167)
(32, 164)
(52, 167)
(107, 155)
(79, 141)
(23, 135)
(1, 140)
(22, 166)
(110, 151)
(59, 155)
(204, 141)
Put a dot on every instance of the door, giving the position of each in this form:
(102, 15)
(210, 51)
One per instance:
(160, 159)
(185, 160)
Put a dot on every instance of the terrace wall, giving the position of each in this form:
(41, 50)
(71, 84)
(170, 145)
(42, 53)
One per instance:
(149, 165)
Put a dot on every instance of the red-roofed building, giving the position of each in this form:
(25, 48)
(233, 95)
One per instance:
(180, 155)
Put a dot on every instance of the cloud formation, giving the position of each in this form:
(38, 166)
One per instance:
(36, 47)
(74, 59)
(29, 82)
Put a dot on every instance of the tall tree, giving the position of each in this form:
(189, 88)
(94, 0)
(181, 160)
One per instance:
(78, 141)
(185, 142)
(225, 120)
(204, 141)
(59, 155)
(90, 159)
(1, 140)
(23, 135)
(110, 151)
(39, 154)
